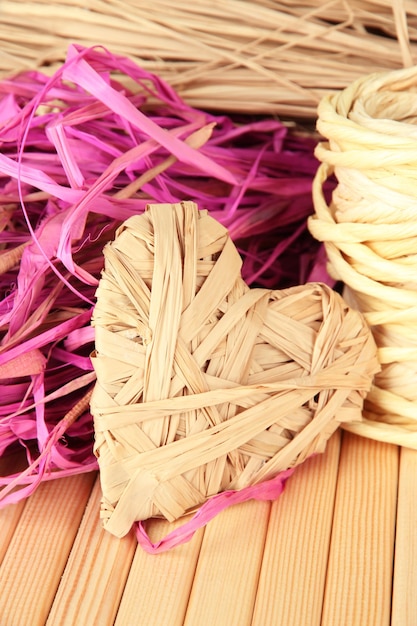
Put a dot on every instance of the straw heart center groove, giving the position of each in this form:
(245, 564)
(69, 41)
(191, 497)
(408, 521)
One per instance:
(204, 385)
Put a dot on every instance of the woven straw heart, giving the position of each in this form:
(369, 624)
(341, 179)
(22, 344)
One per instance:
(204, 385)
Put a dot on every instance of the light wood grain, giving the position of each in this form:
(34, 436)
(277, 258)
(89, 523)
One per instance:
(39, 548)
(404, 608)
(294, 563)
(228, 567)
(10, 515)
(255, 564)
(160, 584)
(95, 575)
(9, 520)
(359, 578)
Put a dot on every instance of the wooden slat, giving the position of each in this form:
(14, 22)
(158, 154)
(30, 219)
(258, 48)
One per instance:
(228, 567)
(95, 575)
(9, 520)
(404, 608)
(39, 548)
(160, 584)
(10, 515)
(294, 564)
(359, 579)
(254, 564)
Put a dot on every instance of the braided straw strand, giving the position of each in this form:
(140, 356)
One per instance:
(370, 233)
(204, 385)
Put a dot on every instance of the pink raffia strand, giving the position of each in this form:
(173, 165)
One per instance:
(268, 490)
(80, 153)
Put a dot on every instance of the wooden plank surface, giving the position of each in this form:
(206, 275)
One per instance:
(9, 520)
(38, 551)
(160, 584)
(294, 564)
(321, 555)
(404, 608)
(359, 576)
(95, 575)
(9, 517)
(227, 571)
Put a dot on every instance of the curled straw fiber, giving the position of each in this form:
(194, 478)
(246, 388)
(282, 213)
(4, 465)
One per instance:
(239, 55)
(204, 385)
(370, 233)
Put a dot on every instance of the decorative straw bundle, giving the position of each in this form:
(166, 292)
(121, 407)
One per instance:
(204, 385)
(230, 56)
(79, 154)
(370, 233)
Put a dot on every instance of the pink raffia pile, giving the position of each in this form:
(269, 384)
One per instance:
(79, 154)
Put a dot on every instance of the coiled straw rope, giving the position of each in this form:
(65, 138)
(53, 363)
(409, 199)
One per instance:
(204, 385)
(370, 233)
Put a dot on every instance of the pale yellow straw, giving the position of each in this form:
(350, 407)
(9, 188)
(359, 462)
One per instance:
(261, 56)
(370, 232)
(205, 385)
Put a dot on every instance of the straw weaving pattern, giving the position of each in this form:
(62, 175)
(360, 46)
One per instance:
(205, 385)
(370, 233)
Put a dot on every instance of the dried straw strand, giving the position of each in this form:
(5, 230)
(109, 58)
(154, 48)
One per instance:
(231, 56)
(10, 258)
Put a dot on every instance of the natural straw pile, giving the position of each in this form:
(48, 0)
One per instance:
(263, 56)
(80, 154)
(204, 385)
(370, 230)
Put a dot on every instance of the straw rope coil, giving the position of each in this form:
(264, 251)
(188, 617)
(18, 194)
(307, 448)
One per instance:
(203, 384)
(370, 233)
(237, 55)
